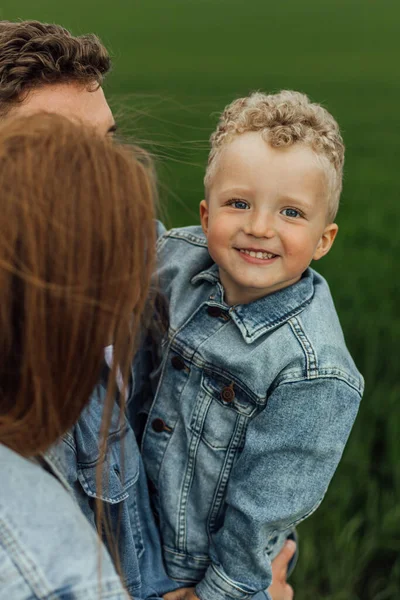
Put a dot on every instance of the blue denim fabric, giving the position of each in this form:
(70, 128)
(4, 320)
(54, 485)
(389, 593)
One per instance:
(47, 548)
(252, 411)
(125, 494)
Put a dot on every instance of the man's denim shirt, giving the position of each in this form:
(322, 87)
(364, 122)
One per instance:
(253, 407)
(125, 493)
(47, 548)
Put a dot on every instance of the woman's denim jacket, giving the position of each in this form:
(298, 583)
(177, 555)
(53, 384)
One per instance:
(47, 548)
(253, 407)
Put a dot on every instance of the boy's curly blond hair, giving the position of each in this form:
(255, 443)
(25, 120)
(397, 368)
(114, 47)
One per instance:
(284, 119)
(34, 54)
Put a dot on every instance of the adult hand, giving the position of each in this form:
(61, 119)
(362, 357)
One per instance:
(280, 589)
(182, 594)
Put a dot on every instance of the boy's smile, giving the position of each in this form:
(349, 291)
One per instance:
(266, 216)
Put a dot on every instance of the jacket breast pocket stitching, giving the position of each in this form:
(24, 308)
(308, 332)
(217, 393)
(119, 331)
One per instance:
(240, 402)
(114, 491)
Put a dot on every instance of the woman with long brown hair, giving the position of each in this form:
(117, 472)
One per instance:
(76, 253)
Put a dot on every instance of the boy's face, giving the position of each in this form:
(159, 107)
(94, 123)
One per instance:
(266, 216)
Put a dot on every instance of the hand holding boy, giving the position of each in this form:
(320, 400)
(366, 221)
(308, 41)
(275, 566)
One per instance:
(279, 590)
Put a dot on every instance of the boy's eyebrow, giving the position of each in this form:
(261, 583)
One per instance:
(235, 190)
(298, 201)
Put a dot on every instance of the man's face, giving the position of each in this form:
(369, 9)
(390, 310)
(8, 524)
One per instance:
(75, 101)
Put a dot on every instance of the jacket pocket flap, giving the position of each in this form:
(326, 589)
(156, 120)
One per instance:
(120, 471)
(229, 393)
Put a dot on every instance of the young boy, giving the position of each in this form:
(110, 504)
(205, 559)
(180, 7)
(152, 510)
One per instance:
(257, 392)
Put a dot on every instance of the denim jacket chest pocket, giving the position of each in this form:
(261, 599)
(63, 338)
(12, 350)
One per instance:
(121, 473)
(120, 477)
(222, 411)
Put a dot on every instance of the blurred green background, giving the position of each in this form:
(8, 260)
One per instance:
(176, 64)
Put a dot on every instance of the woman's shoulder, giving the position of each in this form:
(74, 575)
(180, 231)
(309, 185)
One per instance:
(46, 544)
(29, 490)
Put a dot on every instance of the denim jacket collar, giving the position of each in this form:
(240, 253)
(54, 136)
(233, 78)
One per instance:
(263, 315)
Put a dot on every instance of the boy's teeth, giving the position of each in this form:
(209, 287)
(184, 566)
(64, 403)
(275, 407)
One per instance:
(264, 255)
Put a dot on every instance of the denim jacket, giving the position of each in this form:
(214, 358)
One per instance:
(125, 494)
(253, 407)
(47, 548)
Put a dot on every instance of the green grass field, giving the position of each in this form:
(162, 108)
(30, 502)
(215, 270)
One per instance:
(176, 64)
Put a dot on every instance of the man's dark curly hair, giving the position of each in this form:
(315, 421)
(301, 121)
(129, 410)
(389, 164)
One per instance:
(34, 54)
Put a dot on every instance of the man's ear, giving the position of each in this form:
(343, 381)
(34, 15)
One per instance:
(326, 241)
(204, 216)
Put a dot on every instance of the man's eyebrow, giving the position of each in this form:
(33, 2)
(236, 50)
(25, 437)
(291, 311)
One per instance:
(113, 128)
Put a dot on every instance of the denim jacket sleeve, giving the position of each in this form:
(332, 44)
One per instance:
(291, 451)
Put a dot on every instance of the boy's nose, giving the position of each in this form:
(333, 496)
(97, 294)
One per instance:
(259, 226)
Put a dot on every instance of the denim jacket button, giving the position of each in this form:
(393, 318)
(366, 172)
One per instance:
(158, 425)
(227, 394)
(214, 311)
(177, 363)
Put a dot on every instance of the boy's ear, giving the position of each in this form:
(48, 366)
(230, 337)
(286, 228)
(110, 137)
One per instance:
(326, 241)
(204, 216)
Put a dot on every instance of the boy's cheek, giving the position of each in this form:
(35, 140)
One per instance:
(221, 228)
(217, 239)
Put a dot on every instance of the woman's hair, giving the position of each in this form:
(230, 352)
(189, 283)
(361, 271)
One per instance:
(284, 119)
(76, 254)
(34, 54)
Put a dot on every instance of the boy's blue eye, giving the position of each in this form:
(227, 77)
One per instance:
(241, 204)
(291, 212)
